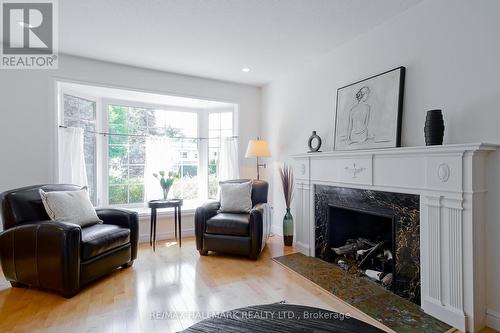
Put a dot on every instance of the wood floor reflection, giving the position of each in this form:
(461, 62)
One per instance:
(141, 298)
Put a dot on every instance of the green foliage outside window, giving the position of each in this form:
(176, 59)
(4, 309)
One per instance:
(126, 154)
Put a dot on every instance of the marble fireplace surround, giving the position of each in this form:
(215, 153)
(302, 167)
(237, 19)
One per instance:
(451, 183)
(401, 208)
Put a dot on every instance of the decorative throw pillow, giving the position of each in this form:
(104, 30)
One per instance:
(70, 206)
(235, 197)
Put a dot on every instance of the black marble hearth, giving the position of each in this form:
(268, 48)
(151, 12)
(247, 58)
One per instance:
(395, 215)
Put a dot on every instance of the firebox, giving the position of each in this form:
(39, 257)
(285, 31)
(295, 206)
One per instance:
(362, 242)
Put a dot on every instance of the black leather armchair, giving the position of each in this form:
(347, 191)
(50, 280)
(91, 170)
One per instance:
(61, 256)
(244, 234)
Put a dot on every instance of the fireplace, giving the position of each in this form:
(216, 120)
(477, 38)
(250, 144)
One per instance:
(371, 233)
(439, 228)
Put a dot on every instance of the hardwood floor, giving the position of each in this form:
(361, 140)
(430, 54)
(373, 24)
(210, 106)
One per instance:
(140, 298)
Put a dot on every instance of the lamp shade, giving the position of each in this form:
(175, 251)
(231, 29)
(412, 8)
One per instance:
(257, 148)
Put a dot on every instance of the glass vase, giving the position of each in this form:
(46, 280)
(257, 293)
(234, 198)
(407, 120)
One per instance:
(288, 228)
(165, 193)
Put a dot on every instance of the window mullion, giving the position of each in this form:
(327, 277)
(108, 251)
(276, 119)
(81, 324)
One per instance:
(104, 163)
(203, 154)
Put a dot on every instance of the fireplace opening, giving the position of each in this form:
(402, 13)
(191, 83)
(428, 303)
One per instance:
(347, 215)
(363, 243)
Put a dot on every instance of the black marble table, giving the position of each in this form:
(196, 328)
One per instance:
(159, 204)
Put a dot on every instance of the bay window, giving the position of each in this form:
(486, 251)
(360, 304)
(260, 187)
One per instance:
(120, 140)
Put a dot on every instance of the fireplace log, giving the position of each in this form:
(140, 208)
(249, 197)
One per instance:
(345, 249)
(365, 242)
(387, 280)
(374, 251)
(360, 254)
(344, 265)
(388, 254)
(353, 245)
(372, 274)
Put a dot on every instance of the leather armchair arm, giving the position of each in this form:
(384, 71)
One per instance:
(44, 254)
(257, 227)
(202, 214)
(125, 219)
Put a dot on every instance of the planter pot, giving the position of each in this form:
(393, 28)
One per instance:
(434, 128)
(288, 228)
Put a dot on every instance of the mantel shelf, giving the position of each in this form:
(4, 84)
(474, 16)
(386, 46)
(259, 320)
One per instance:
(463, 147)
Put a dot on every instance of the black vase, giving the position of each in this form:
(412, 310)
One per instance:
(434, 128)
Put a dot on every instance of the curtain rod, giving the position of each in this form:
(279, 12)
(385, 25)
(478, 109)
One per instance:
(147, 136)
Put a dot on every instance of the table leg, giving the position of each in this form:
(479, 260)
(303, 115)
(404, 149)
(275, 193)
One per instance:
(154, 231)
(180, 226)
(151, 228)
(175, 223)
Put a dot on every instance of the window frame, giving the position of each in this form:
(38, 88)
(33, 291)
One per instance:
(98, 138)
(106, 102)
(234, 115)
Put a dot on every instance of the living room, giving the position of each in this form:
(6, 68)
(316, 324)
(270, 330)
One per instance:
(188, 166)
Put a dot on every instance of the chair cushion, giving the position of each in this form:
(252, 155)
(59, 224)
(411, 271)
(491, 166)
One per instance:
(229, 224)
(70, 206)
(235, 197)
(99, 238)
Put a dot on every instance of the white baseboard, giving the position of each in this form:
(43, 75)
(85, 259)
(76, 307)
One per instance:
(493, 319)
(144, 238)
(454, 318)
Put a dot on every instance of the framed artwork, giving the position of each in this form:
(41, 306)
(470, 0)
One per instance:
(369, 112)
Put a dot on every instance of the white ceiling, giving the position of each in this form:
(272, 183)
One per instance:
(216, 38)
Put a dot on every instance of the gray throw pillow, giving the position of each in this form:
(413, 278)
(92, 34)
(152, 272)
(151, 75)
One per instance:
(70, 206)
(235, 197)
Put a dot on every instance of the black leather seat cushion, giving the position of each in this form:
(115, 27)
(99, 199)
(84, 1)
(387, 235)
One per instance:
(99, 238)
(229, 224)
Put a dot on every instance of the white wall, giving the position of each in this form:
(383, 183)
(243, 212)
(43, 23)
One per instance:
(28, 124)
(451, 50)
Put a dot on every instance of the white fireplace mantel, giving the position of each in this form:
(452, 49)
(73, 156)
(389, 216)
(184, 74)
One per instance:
(451, 182)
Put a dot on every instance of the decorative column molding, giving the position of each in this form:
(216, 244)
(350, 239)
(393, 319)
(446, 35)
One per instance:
(456, 258)
(433, 204)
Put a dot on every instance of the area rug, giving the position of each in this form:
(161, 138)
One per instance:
(391, 310)
(278, 317)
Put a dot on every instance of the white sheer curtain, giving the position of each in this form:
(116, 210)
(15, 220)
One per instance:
(228, 160)
(72, 158)
(159, 157)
